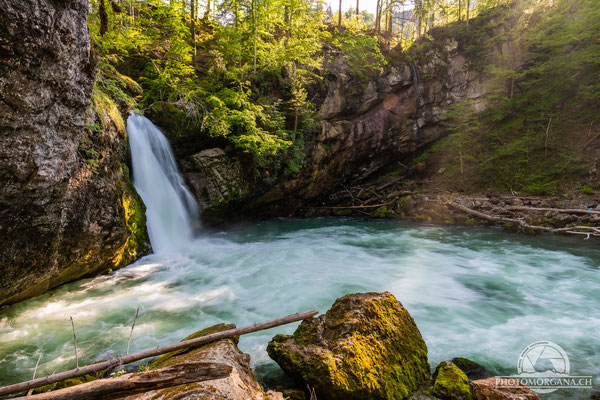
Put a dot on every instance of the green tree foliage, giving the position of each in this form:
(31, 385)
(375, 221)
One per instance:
(362, 54)
(228, 87)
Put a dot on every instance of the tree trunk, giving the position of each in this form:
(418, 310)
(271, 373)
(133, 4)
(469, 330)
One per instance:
(459, 9)
(193, 30)
(254, 12)
(236, 12)
(402, 22)
(391, 23)
(340, 16)
(468, 8)
(357, 13)
(295, 127)
(207, 13)
(103, 18)
(139, 382)
(377, 16)
(386, 7)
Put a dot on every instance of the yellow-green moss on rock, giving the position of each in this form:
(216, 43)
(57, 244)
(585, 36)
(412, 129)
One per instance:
(450, 383)
(204, 332)
(137, 243)
(367, 346)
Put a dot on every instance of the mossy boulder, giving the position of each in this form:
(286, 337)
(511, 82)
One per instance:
(383, 212)
(204, 332)
(450, 383)
(367, 346)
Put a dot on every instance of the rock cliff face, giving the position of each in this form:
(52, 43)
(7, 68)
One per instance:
(66, 205)
(368, 127)
(388, 119)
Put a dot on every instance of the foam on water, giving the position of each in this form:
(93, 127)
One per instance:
(482, 294)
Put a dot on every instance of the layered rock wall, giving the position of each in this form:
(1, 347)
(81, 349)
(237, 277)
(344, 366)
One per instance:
(378, 126)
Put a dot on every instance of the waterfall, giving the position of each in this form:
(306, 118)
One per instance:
(170, 208)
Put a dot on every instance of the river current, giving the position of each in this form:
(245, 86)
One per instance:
(479, 293)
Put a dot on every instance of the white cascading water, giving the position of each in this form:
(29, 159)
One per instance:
(170, 208)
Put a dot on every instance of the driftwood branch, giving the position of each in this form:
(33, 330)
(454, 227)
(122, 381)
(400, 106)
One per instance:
(131, 333)
(139, 382)
(352, 207)
(34, 372)
(88, 369)
(75, 340)
(560, 210)
(590, 230)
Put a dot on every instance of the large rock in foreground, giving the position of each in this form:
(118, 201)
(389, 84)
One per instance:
(367, 346)
(486, 389)
(239, 385)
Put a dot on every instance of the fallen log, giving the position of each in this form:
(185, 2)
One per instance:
(591, 230)
(351, 207)
(400, 193)
(100, 366)
(139, 382)
(560, 210)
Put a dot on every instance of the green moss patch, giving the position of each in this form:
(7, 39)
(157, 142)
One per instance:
(204, 332)
(450, 383)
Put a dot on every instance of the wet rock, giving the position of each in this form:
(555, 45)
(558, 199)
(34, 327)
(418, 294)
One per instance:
(367, 346)
(293, 394)
(486, 389)
(66, 209)
(450, 383)
(240, 385)
(217, 179)
(183, 128)
(423, 394)
(471, 368)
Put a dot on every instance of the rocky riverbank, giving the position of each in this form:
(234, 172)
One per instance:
(570, 215)
(367, 346)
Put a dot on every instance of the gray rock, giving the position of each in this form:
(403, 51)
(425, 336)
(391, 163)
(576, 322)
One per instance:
(216, 178)
(60, 217)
